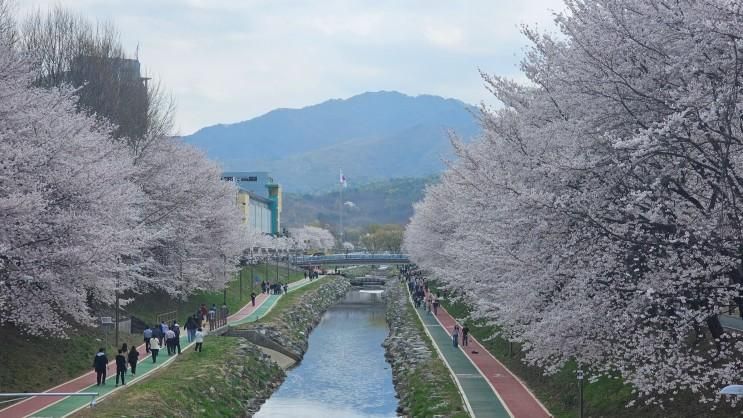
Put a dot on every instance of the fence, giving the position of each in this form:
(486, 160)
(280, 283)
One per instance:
(167, 317)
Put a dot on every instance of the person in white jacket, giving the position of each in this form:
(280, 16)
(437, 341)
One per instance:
(154, 349)
(199, 339)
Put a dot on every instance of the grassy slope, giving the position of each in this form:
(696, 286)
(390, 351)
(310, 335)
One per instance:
(147, 307)
(36, 364)
(187, 383)
(605, 398)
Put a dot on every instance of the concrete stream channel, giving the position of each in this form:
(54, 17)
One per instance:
(343, 372)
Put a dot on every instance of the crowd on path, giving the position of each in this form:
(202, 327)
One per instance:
(164, 336)
(311, 274)
(422, 296)
(168, 336)
(273, 288)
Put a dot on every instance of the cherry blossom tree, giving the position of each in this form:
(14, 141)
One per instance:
(66, 221)
(598, 218)
(86, 215)
(308, 237)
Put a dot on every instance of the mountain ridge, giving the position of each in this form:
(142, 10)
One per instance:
(371, 136)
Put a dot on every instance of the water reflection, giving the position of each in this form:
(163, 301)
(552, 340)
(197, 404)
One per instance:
(343, 374)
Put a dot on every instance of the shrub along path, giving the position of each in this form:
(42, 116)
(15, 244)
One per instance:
(52, 406)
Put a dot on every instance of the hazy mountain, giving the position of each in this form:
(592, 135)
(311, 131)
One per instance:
(371, 136)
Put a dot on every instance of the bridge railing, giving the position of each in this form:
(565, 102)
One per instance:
(309, 259)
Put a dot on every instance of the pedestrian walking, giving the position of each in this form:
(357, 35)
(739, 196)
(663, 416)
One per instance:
(157, 335)
(204, 312)
(100, 362)
(133, 358)
(163, 330)
(177, 340)
(154, 349)
(170, 341)
(436, 306)
(147, 338)
(252, 298)
(120, 367)
(455, 336)
(199, 339)
(286, 287)
(465, 335)
(190, 328)
(212, 317)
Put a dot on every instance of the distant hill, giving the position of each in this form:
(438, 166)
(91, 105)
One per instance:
(372, 136)
(383, 202)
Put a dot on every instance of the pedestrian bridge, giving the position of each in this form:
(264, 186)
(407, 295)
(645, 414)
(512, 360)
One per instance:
(351, 259)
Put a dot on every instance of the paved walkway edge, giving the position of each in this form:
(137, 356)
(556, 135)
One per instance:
(490, 383)
(442, 357)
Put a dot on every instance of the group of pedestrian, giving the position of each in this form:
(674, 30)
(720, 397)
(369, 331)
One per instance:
(123, 357)
(155, 338)
(311, 274)
(418, 286)
(272, 288)
(169, 336)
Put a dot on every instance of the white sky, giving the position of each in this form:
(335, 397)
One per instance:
(230, 60)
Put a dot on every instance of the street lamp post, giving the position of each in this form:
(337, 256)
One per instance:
(224, 278)
(580, 392)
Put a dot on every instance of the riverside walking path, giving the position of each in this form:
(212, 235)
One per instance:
(53, 406)
(490, 390)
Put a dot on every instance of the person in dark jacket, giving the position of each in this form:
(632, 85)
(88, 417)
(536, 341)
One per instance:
(177, 341)
(100, 362)
(147, 336)
(120, 367)
(157, 335)
(252, 298)
(133, 358)
(190, 328)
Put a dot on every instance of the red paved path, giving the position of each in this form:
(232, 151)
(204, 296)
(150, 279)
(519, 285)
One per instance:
(29, 406)
(519, 400)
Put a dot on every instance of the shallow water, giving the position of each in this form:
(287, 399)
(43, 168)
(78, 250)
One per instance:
(344, 373)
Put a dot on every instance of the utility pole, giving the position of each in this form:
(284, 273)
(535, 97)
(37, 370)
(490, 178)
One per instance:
(116, 314)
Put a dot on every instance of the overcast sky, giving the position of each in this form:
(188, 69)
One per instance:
(230, 60)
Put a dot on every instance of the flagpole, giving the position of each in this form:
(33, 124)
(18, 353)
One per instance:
(341, 243)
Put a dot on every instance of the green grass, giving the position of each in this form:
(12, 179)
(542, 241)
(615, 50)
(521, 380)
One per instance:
(289, 299)
(148, 306)
(213, 383)
(607, 397)
(32, 364)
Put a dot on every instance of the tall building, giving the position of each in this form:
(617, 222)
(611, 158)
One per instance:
(259, 198)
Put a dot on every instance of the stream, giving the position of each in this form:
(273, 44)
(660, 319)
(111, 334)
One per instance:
(344, 373)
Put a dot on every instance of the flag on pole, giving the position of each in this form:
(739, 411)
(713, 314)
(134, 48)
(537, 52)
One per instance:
(343, 179)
